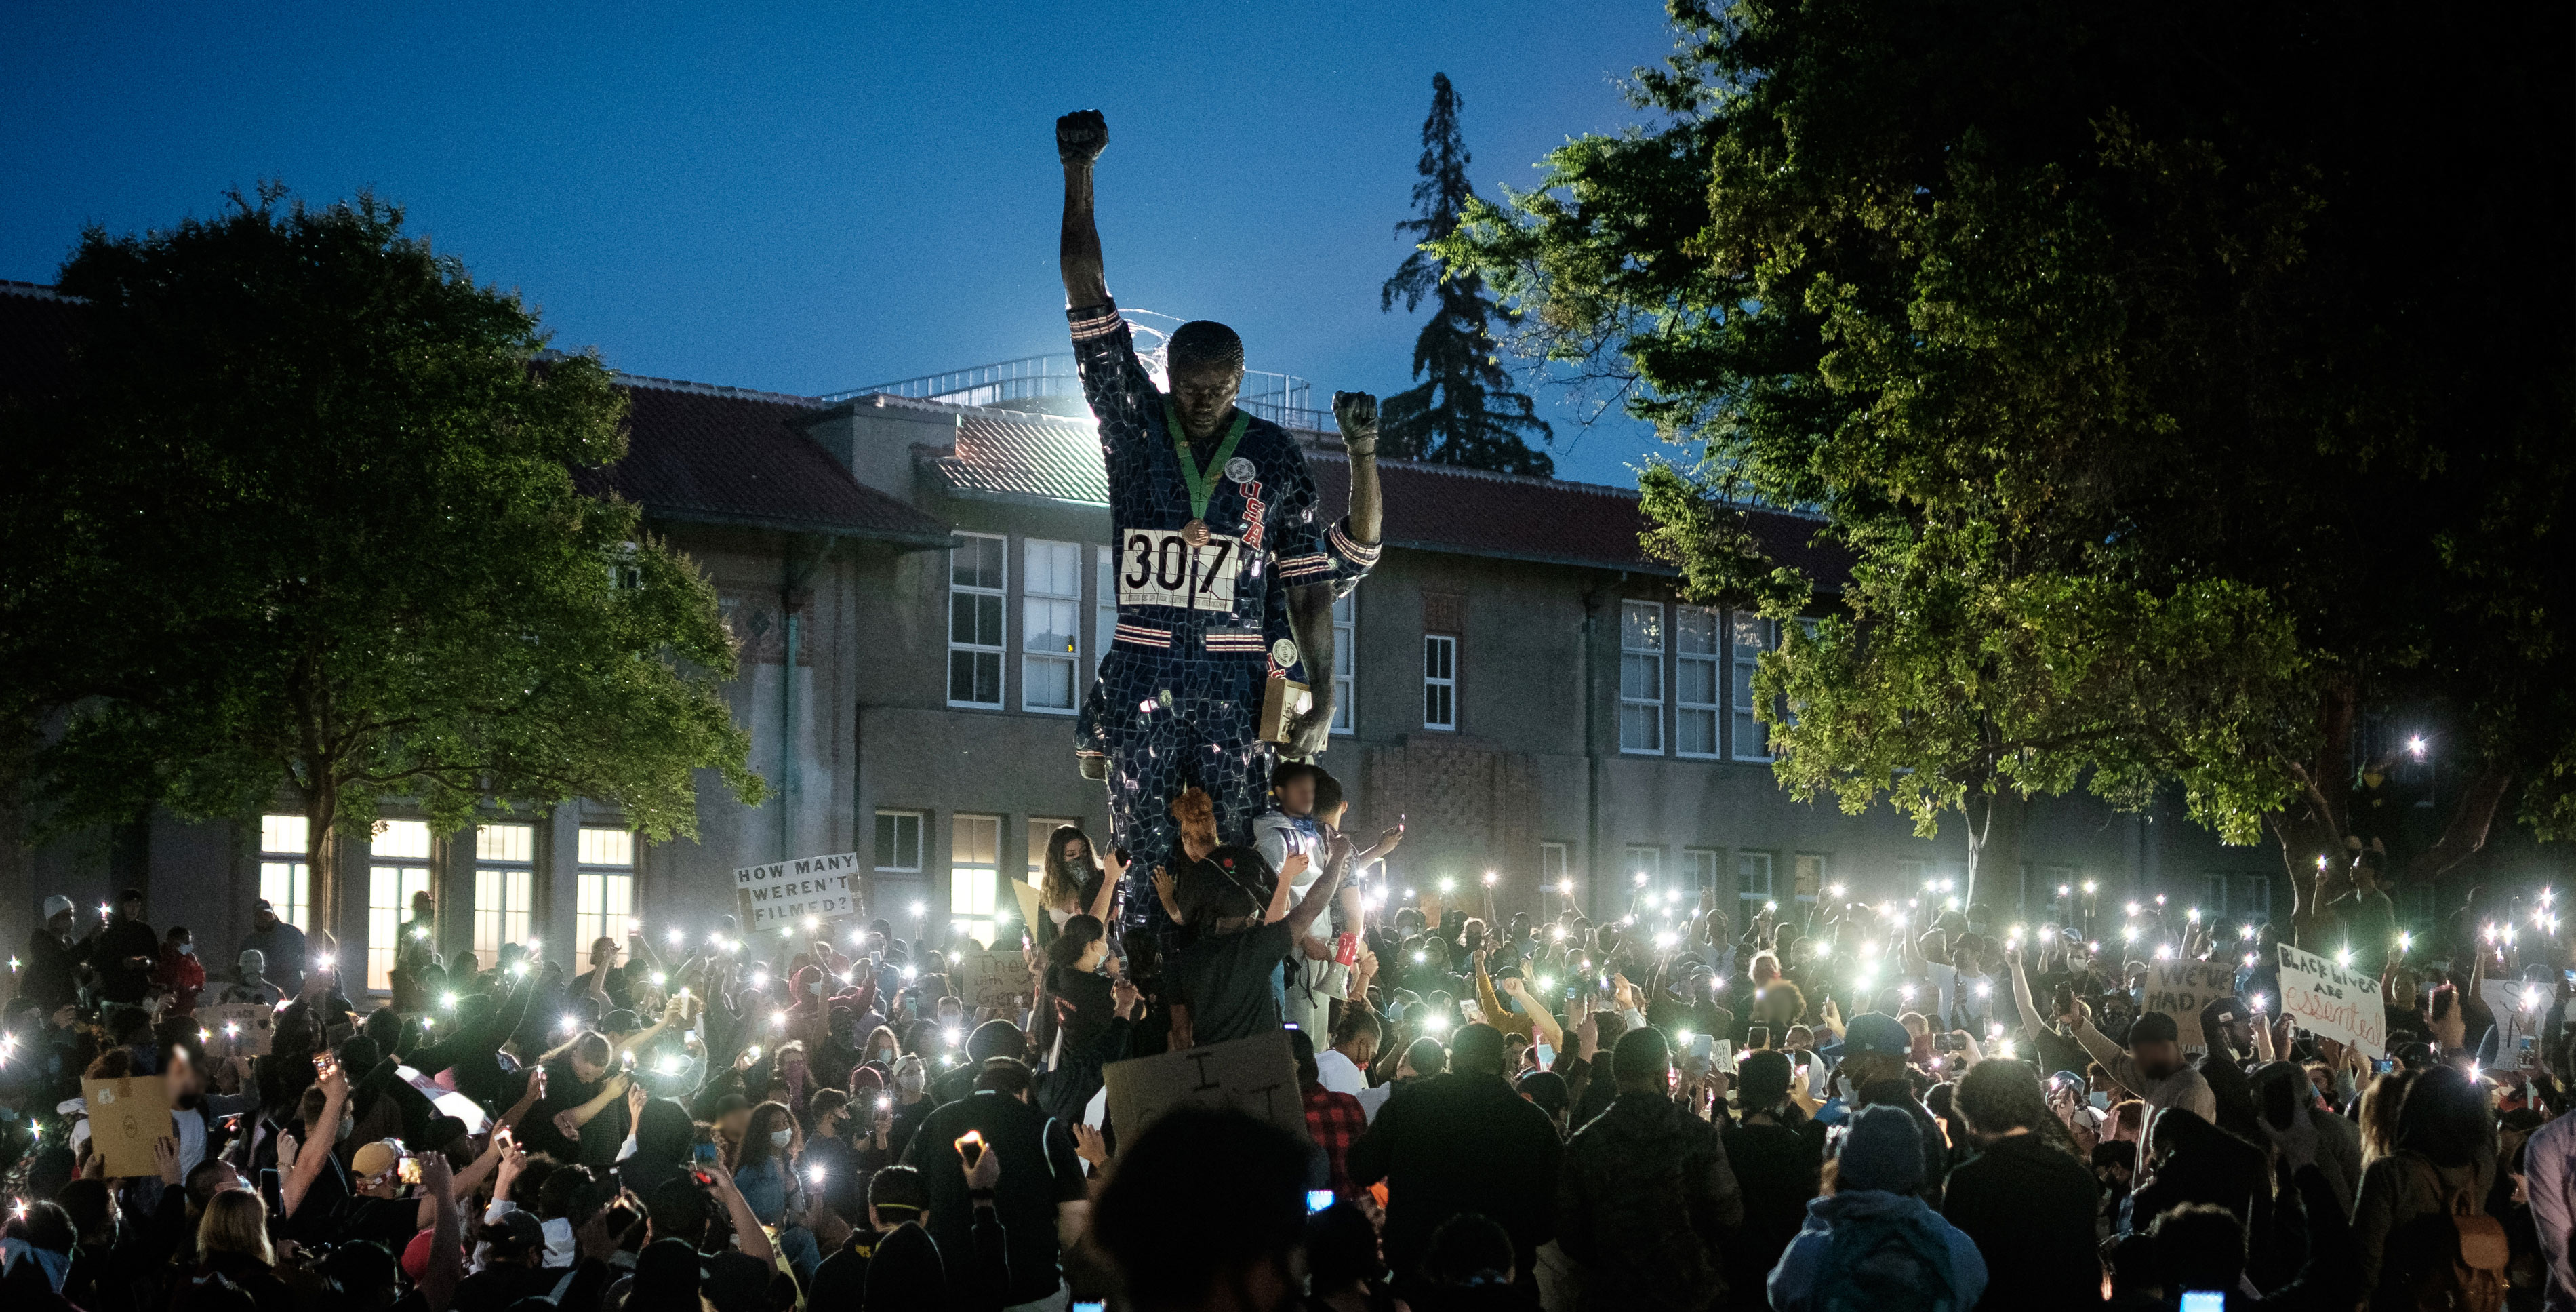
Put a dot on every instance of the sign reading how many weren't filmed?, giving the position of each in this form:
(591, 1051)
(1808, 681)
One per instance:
(784, 892)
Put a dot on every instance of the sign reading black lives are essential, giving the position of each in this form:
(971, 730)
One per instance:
(784, 892)
(1256, 1076)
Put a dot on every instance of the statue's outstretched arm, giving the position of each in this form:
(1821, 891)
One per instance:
(1079, 138)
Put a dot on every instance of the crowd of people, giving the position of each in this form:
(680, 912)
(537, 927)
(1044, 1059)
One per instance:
(1680, 1102)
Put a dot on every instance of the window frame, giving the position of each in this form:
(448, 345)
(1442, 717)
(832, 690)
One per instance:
(920, 829)
(1555, 863)
(513, 884)
(606, 873)
(1000, 650)
(1446, 687)
(409, 872)
(1714, 661)
(989, 885)
(290, 869)
(1742, 711)
(1642, 859)
(1071, 659)
(1750, 863)
(1700, 866)
(1651, 709)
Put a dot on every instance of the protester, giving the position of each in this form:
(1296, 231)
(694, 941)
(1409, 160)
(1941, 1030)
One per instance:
(1039, 1194)
(280, 944)
(2423, 1205)
(1185, 1235)
(1645, 1196)
(1462, 1142)
(2027, 1198)
(1872, 1243)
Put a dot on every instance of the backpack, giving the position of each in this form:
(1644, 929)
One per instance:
(1884, 1264)
(2473, 1280)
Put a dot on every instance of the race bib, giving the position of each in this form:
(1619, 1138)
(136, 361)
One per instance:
(1158, 567)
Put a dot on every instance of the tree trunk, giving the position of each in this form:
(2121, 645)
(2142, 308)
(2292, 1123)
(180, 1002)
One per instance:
(2310, 825)
(322, 851)
(1994, 838)
(2471, 819)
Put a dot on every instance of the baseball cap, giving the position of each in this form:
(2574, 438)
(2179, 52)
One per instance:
(517, 1228)
(2229, 1009)
(1876, 1032)
(2154, 1027)
(263, 905)
(56, 905)
(374, 1159)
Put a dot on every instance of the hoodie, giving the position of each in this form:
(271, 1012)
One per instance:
(1644, 1199)
(1807, 1263)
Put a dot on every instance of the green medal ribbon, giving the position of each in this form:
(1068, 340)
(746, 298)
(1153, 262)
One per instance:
(1202, 482)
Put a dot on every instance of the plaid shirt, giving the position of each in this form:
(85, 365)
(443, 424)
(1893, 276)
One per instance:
(1336, 1122)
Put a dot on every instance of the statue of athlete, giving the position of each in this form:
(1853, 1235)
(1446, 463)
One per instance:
(1210, 507)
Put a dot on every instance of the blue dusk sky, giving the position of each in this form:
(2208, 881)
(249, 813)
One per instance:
(810, 198)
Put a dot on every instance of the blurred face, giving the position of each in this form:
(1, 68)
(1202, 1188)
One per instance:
(2157, 1060)
(735, 1122)
(1203, 396)
(1361, 1048)
(263, 918)
(588, 1070)
(131, 908)
(1297, 794)
(1092, 956)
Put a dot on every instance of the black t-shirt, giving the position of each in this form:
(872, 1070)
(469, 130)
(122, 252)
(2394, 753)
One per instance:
(1082, 1005)
(1225, 980)
(842, 1279)
(389, 1221)
(2030, 1208)
(566, 1091)
(1039, 1170)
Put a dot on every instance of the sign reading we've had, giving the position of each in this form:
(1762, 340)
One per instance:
(1256, 1076)
(2331, 1002)
(989, 979)
(787, 891)
(2181, 988)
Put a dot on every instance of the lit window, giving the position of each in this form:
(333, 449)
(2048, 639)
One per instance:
(1345, 659)
(1647, 861)
(398, 868)
(1439, 681)
(1641, 677)
(1699, 868)
(1696, 681)
(1551, 864)
(1752, 882)
(976, 581)
(899, 841)
(505, 888)
(285, 870)
(1050, 625)
(1751, 637)
(974, 874)
(603, 893)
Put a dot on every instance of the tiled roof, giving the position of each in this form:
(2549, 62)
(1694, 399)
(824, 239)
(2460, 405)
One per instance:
(727, 456)
(1428, 507)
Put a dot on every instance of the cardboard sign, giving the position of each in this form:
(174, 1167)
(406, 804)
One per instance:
(989, 979)
(2181, 988)
(126, 1117)
(2334, 1003)
(1282, 701)
(1031, 910)
(445, 1101)
(2519, 1007)
(238, 1029)
(785, 892)
(1255, 1076)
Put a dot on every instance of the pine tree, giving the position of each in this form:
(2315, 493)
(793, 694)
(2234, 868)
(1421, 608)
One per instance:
(1464, 411)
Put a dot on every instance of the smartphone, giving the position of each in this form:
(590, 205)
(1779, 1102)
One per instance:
(1757, 1037)
(1702, 1047)
(1091, 1307)
(1316, 1200)
(2203, 1300)
(704, 1152)
(409, 1171)
(970, 1146)
(1949, 1043)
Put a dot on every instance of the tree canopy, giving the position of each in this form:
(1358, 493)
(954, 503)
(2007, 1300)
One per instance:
(1465, 410)
(2195, 403)
(302, 518)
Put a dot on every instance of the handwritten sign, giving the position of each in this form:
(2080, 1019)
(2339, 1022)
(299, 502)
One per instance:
(2518, 1008)
(1255, 1076)
(989, 979)
(238, 1029)
(2181, 988)
(127, 1116)
(2331, 1002)
(785, 892)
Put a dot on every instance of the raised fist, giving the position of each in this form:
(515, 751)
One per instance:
(1309, 732)
(1080, 136)
(1356, 412)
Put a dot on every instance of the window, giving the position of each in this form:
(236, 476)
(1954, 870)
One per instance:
(1752, 882)
(398, 867)
(1641, 677)
(1050, 624)
(1696, 680)
(899, 841)
(1699, 868)
(1551, 866)
(505, 888)
(285, 872)
(1040, 830)
(1439, 681)
(2213, 896)
(974, 874)
(1645, 865)
(1808, 879)
(2252, 899)
(603, 892)
(1345, 659)
(1751, 636)
(1104, 604)
(976, 578)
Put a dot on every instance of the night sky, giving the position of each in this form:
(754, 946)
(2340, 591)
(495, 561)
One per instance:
(814, 198)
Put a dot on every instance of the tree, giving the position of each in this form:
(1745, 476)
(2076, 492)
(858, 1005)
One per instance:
(313, 528)
(2149, 362)
(1465, 412)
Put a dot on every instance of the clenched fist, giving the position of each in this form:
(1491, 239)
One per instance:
(1356, 412)
(1080, 136)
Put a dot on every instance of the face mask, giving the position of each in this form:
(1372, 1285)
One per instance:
(2101, 1101)
(884, 1056)
(909, 1081)
(779, 1138)
(187, 949)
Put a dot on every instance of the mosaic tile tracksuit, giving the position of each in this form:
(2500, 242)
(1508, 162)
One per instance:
(1199, 629)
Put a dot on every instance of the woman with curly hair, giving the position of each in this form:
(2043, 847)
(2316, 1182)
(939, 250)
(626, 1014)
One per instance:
(1073, 883)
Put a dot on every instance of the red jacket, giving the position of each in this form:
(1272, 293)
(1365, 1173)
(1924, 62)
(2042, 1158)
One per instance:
(183, 975)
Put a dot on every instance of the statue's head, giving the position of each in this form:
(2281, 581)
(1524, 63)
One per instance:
(1204, 361)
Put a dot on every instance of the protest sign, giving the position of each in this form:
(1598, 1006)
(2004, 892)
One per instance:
(2333, 1003)
(1030, 907)
(2181, 988)
(1255, 1076)
(989, 979)
(128, 1115)
(443, 1100)
(2518, 1007)
(238, 1029)
(785, 892)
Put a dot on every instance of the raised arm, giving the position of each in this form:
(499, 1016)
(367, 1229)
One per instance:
(1312, 905)
(1079, 138)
